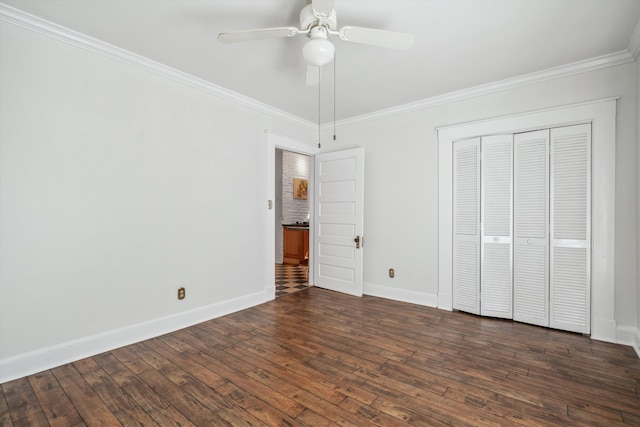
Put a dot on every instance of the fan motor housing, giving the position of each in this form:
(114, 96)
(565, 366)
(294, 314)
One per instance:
(308, 18)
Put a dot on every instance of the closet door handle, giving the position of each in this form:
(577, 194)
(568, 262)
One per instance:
(357, 240)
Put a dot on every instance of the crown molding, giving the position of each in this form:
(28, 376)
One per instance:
(44, 27)
(574, 68)
(66, 35)
(634, 43)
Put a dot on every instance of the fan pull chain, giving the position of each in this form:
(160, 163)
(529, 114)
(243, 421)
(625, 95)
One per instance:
(319, 80)
(334, 97)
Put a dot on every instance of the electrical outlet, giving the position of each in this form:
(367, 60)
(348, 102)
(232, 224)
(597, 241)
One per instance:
(181, 293)
(392, 273)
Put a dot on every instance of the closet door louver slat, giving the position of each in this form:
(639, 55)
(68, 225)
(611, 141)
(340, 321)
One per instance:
(570, 283)
(466, 226)
(531, 219)
(495, 279)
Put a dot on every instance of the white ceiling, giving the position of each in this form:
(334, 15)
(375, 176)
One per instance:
(459, 44)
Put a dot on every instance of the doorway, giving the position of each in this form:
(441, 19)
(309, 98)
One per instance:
(292, 217)
(274, 234)
(336, 214)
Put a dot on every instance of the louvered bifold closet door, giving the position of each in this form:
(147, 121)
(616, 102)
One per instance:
(530, 227)
(466, 225)
(570, 278)
(496, 211)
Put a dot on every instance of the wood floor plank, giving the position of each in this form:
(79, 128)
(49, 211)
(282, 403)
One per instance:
(257, 407)
(367, 414)
(590, 417)
(463, 389)
(5, 415)
(150, 402)
(321, 358)
(21, 399)
(630, 419)
(196, 380)
(311, 418)
(288, 380)
(311, 402)
(59, 410)
(405, 414)
(121, 404)
(581, 397)
(495, 392)
(91, 408)
(234, 370)
(317, 361)
(36, 419)
(128, 357)
(304, 368)
(196, 370)
(432, 406)
(189, 406)
(226, 410)
(85, 366)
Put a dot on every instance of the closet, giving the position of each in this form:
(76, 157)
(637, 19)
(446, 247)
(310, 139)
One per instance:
(522, 226)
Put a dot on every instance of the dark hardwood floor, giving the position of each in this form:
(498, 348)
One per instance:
(320, 358)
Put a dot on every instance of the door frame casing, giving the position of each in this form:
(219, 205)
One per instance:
(278, 141)
(602, 116)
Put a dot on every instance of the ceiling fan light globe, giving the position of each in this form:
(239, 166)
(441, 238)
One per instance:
(318, 52)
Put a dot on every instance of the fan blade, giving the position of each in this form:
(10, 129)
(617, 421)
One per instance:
(382, 38)
(266, 33)
(322, 7)
(313, 75)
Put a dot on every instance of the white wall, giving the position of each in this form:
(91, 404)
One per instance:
(117, 186)
(401, 190)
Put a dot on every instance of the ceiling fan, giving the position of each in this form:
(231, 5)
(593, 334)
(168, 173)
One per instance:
(318, 21)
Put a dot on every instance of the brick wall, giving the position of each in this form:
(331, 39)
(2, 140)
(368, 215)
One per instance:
(294, 166)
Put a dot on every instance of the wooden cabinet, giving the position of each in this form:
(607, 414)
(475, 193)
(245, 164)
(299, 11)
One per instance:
(296, 245)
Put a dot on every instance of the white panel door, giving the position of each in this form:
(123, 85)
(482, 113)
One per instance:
(466, 225)
(339, 196)
(570, 278)
(530, 227)
(496, 219)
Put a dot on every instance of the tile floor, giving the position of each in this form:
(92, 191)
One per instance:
(291, 278)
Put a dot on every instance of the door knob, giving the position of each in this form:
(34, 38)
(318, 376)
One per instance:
(357, 240)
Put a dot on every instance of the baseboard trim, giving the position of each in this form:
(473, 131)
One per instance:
(445, 301)
(628, 335)
(270, 293)
(413, 297)
(604, 330)
(39, 360)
